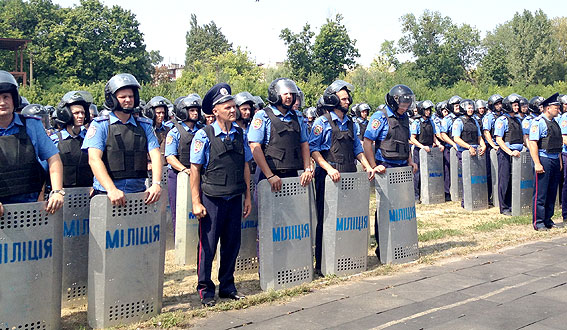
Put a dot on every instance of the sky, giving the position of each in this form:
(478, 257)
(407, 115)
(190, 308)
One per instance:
(255, 25)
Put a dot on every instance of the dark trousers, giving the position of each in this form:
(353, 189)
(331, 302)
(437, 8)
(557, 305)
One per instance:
(504, 181)
(320, 175)
(447, 169)
(416, 175)
(460, 158)
(545, 192)
(282, 174)
(489, 175)
(221, 222)
(564, 189)
(172, 194)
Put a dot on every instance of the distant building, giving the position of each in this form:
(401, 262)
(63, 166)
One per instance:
(175, 70)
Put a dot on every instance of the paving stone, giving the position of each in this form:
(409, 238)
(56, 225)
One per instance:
(452, 281)
(554, 321)
(417, 291)
(219, 321)
(497, 270)
(547, 271)
(557, 293)
(491, 286)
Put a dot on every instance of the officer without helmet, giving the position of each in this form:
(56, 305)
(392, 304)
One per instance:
(21, 175)
(219, 176)
(118, 145)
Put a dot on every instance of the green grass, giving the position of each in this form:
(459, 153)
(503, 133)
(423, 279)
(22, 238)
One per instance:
(438, 234)
(499, 224)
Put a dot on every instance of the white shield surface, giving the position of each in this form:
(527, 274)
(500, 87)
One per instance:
(247, 260)
(475, 190)
(187, 224)
(345, 226)
(285, 235)
(30, 267)
(126, 261)
(522, 184)
(456, 189)
(494, 174)
(397, 222)
(431, 175)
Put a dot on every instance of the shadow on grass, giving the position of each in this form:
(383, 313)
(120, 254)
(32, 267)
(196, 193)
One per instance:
(443, 246)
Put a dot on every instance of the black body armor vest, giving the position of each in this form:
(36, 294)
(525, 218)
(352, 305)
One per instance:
(426, 133)
(362, 125)
(553, 142)
(470, 130)
(514, 135)
(76, 169)
(342, 146)
(20, 171)
(161, 137)
(396, 145)
(184, 147)
(224, 175)
(283, 151)
(125, 155)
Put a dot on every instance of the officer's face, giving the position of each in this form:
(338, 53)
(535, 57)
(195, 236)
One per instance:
(296, 104)
(515, 107)
(160, 115)
(553, 110)
(209, 119)
(481, 110)
(287, 98)
(564, 106)
(470, 109)
(125, 97)
(6, 104)
(194, 113)
(445, 112)
(427, 112)
(343, 98)
(498, 106)
(225, 111)
(364, 114)
(524, 108)
(78, 114)
(245, 110)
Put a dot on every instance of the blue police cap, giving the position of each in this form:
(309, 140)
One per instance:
(552, 100)
(219, 93)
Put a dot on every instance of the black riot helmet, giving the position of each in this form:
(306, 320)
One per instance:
(310, 112)
(149, 111)
(440, 107)
(453, 104)
(37, 110)
(480, 104)
(400, 94)
(493, 100)
(190, 101)
(508, 100)
(463, 105)
(300, 98)
(563, 101)
(321, 107)
(8, 84)
(382, 108)
(240, 99)
(281, 86)
(259, 103)
(361, 107)
(427, 104)
(120, 81)
(535, 103)
(63, 113)
(330, 97)
(93, 111)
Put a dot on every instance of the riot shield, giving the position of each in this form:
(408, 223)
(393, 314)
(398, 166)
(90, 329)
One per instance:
(30, 267)
(456, 177)
(286, 258)
(397, 222)
(75, 246)
(522, 184)
(345, 226)
(431, 175)
(494, 174)
(475, 190)
(187, 224)
(126, 260)
(169, 234)
(247, 260)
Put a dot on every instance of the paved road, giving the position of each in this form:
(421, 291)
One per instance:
(520, 288)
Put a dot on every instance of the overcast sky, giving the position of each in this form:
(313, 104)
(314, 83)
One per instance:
(256, 25)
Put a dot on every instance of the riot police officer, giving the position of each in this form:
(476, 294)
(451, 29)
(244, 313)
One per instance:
(563, 124)
(446, 129)
(508, 133)
(258, 104)
(118, 145)
(23, 143)
(219, 176)
(466, 132)
(244, 107)
(495, 106)
(334, 146)
(361, 112)
(187, 117)
(390, 132)
(157, 110)
(535, 111)
(545, 144)
(278, 137)
(423, 136)
(310, 113)
(71, 114)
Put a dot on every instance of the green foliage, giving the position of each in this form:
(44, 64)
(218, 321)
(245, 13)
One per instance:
(204, 41)
(299, 51)
(438, 234)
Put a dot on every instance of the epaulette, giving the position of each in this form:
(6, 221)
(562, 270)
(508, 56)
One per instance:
(102, 118)
(299, 113)
(145, 120)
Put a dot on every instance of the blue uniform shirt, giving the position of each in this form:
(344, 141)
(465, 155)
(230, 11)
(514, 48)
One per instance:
(42, 144)
(96, 138)
(377, 130)
(447, 126)
(457, 129)
(321, 134)
(437, 120)
(200, 146)
(538, 131)
(488, 122)
(173, 137)
(563, 125)
(501, 127)
(261, 126)
(65, 135)
(415, 127)
(526, 123)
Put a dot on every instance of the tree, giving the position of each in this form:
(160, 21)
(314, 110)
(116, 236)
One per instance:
(299, 51)
(334, 51)
(204, 41)
(386, 59)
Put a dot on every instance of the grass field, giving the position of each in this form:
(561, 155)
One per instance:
(445, 231)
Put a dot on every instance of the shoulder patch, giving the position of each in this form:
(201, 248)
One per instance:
(375, 124)
(91, 132)
(317, 130)
(499, 124)
(198, 146)
(257, 123)
(101, 118)
(534, 128)
(564, 123)
(526, 124)
(169, 139)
